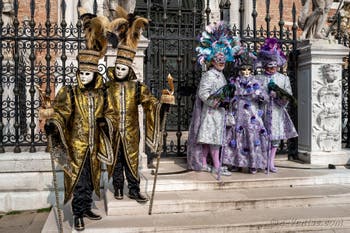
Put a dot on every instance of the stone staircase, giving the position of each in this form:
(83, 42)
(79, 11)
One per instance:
(298, 199)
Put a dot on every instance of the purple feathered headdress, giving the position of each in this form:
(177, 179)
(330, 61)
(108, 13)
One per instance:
(271, 54)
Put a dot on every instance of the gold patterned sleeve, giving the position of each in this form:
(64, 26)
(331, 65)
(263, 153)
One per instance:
(109, 111)
(62, 113)
(62, 107)
(151, 107)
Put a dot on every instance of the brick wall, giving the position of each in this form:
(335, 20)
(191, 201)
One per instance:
(40, 11)
(274, 12)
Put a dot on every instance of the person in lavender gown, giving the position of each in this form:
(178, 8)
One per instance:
(247, 139)
(277, 120)
(207, 126)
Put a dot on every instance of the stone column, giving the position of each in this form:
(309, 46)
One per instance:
(138, 67)
(215, 11)
(319, 102)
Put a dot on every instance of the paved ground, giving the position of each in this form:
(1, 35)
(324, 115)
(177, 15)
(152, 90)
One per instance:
(23, 222)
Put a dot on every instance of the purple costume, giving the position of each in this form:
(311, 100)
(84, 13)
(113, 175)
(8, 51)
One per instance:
(247, 141)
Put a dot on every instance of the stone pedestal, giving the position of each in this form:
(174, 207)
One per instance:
(319, 102)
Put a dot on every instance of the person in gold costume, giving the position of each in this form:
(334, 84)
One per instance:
(77, 140)
(124, 95)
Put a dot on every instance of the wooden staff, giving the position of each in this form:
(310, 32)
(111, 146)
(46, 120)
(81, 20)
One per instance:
(45, 112)
(54, 175)
(159, 152)
(167, 98)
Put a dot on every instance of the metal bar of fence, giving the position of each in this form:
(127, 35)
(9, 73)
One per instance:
(95, 7)
(16, 89)
(63, 26)
(32, 68)
(48, 55)
(164, 60)
(281, 21)
(254, 15)
(2, 150)
(179, 77)
(241, 15)
(207, 12)
(268, 18)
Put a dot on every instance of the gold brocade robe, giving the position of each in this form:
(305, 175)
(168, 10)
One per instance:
(78, 131)
(122, 110)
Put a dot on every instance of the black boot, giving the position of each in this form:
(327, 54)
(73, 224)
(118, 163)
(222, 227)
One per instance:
(91, 215)
(137, 196)
(118, 194)
(79, 223)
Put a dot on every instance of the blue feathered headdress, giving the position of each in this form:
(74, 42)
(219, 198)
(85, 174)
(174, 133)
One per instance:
(217, 38)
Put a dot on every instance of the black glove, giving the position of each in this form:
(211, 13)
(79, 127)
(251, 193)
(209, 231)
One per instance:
(225, 105)
(166, 108)
(50, 128)
(101, 121)
(261, 100)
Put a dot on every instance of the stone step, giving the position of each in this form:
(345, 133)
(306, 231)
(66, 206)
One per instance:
(293, 200)
(225, 200)
(286, 177)
(318, 219)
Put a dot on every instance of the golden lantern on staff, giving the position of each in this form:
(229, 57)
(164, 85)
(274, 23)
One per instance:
(46, 110)
(168, 95)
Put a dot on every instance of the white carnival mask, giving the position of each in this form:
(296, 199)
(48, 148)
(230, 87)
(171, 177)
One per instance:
(86, 77)
(121, 71)
(245, 72)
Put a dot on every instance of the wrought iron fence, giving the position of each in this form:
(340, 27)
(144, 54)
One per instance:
(32, 53)
(44, 53)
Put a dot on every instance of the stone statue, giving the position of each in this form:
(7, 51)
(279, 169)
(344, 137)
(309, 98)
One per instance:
(109, 6)
(345, 19)
(313, 23)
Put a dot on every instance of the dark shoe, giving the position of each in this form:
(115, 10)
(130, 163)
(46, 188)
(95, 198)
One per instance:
(118, 194)
(253, 170)
(79, 223)
(91, 215)
(235, 169)
(138, 197)
(151, 165)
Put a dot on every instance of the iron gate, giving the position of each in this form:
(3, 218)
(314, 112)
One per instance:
(174, 26)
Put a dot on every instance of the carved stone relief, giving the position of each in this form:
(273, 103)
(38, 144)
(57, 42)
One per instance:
(327, 92)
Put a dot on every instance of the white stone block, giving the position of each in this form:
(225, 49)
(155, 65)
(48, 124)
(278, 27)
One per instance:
(319, 102)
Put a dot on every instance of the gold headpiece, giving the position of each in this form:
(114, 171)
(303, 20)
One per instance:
(98, 32)
(88, 60)
(130, 37)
